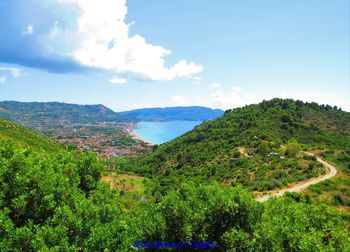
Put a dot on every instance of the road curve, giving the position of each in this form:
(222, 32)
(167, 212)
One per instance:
(331, 172)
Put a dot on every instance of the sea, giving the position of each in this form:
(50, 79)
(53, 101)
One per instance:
(162, 132)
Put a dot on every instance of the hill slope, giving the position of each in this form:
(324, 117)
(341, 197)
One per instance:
(11, 132)
(193, 113)
(41, 114)
(244, 146)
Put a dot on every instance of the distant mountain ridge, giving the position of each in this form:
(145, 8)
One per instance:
(43, 115)
(192, 113)
(40, 114)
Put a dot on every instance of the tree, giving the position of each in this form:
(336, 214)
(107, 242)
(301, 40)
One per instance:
(89, 170)
(263, 148)
(290, 226)
(293, 148)
(236, 154)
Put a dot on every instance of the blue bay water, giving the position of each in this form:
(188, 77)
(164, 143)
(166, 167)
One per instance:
(161, 132)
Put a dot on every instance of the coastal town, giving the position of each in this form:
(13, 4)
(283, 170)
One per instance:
(108, 139)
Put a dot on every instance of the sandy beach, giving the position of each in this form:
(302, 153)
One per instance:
(137, 137)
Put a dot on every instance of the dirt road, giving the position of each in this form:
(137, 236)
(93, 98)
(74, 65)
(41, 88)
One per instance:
(331, 172)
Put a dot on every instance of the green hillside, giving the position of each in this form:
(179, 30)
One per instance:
(244, 146)
(11, 132)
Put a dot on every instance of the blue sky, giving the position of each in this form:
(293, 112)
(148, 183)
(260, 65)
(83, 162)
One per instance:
(132, 54)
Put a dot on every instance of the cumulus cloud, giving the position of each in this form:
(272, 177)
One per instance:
(117, 80)
(233, 99)
(105, 43)
(76, 35)
(180, 100)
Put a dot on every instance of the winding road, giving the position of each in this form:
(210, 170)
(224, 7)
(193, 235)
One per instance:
(331, 172)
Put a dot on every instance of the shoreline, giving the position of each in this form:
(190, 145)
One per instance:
(138, 137)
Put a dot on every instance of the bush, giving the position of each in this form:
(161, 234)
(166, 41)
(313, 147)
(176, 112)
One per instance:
(339, 198)
(293, 148)
(263, 148)
(310, 157)
(44, 203)
(236, 154)
(318, 229)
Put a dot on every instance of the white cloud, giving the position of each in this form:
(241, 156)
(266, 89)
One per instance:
(15, 72)
(237, 89)
(10, 71)
(232, 99)
(117, 80)
(215, 85)
(104, 42)
(238, 98)
(180, 100)
(28, 30)
(197, 79)
(322, 98)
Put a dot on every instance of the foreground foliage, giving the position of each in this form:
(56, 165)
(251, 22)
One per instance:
(55, 201)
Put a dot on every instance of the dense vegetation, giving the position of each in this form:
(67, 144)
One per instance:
(232, 218)
(336, 191)
(193, 113)
(55, 201)
(256, 146)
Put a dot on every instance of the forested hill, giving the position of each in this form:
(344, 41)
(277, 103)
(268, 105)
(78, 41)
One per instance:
(266, 125)
(13, 133)
(193, 113)
(39, 114)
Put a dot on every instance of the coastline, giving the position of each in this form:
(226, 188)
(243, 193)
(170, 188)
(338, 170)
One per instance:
(159, 132)
(137, 137)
